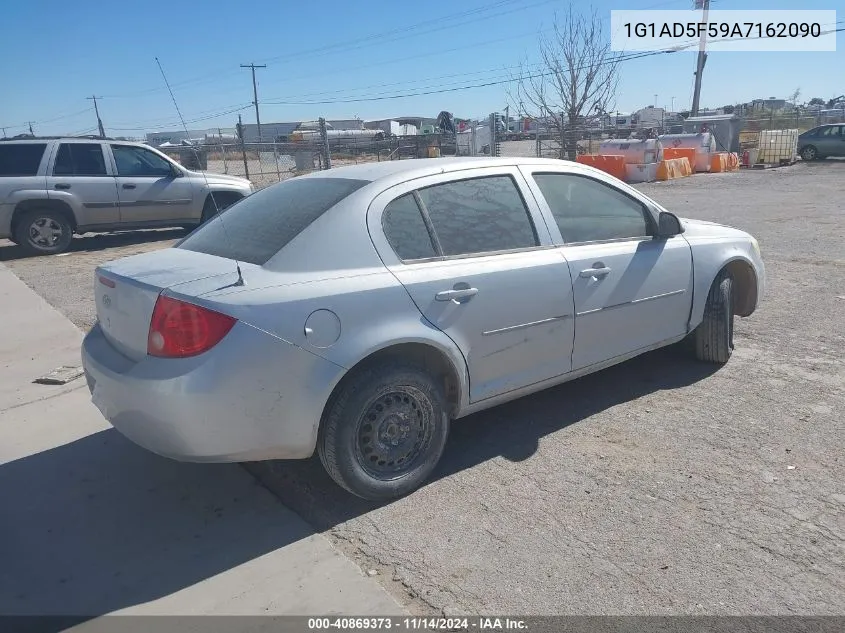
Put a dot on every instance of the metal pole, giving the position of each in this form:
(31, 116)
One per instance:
(255, 95)
(702, 57)
(223, 151)
(97, 112)
(325, 138)
(243, 147)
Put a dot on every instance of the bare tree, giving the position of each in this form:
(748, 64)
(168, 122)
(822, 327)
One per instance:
(578, 76)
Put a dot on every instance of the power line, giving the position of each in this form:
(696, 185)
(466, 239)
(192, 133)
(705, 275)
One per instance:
(393, 35)
(43, 121)
(445, 22)
(196, 120)
(614, 60)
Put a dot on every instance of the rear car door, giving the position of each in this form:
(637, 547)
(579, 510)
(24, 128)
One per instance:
(479, 264)
(631, 291)
(152, 191)
(83, 179)
(831, 141)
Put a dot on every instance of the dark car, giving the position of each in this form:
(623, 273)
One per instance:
(822, 142)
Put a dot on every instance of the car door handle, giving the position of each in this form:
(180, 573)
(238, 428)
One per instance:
(128, 186)
(61, 185)
(595, 272)
(455, 294)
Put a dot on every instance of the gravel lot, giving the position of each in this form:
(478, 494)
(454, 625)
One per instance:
(660, 486)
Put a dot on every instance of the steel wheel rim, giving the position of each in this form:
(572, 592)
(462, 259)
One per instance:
(45, 232)
(394, 433)
(809, 153)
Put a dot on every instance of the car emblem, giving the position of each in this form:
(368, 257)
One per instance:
(106, 301)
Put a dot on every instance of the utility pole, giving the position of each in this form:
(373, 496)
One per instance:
(702, 56)
(255, 94)
(97, 112)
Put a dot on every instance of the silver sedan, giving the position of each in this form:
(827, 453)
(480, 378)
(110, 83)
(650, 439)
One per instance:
(358, 311)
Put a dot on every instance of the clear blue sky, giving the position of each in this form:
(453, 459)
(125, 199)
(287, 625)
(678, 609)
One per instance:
(55, 53)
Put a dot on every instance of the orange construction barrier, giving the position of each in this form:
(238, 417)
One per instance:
(733, 161)
(724, 161)
(673, 168)
(680, 152)
(612, 164)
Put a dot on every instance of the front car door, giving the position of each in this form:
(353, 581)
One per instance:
(151, 191)
(83, 179)
(479, 263)
(631, 291)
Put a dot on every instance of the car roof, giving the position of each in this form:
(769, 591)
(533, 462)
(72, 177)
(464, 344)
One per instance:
(65, 139)
(418, 168)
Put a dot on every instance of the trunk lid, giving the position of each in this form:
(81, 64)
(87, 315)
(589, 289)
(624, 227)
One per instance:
(126, 291)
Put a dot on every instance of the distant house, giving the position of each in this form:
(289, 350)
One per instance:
(650, 116)
(768, 105)
(392, 127)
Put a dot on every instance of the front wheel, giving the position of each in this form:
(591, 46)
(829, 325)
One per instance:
(384, 431)
(714, 337)
(809, 153)
(43, 232)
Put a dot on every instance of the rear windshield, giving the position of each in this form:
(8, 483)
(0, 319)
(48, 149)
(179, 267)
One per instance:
(20, 159)
(259, 226)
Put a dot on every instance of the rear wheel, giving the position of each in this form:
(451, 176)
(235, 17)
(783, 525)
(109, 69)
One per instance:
(43, 232)
(809, 153)
(714, 336)
(384, 431)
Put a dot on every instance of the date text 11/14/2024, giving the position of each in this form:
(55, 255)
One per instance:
(418, 624)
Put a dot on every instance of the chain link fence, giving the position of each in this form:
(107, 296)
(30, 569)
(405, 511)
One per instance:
(769, 138)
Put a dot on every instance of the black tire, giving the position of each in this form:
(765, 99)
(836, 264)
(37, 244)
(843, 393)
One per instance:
(714, 336)
(368, 441)
(43, 232)
(809, 153)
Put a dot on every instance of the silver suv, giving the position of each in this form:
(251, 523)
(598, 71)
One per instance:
(51, 188)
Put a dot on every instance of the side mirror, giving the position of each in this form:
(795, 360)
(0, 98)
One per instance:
(176, 172)
(668, 225)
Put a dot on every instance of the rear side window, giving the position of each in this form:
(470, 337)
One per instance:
(479, 215)
(20, 159)
(405, 229)
(80, 159)
(257, 227)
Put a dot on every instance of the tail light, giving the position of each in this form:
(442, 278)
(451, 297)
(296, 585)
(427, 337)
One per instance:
(179, 329)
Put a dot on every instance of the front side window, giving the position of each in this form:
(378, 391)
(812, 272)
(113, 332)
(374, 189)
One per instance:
(135, 161)
(831, 131)
(586, 210)
(80, 159)
(478, 215)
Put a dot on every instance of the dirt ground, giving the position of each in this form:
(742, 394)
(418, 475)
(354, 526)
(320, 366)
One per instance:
(660, 486)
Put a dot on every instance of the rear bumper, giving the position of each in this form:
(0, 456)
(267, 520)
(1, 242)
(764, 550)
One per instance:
(252, 397)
